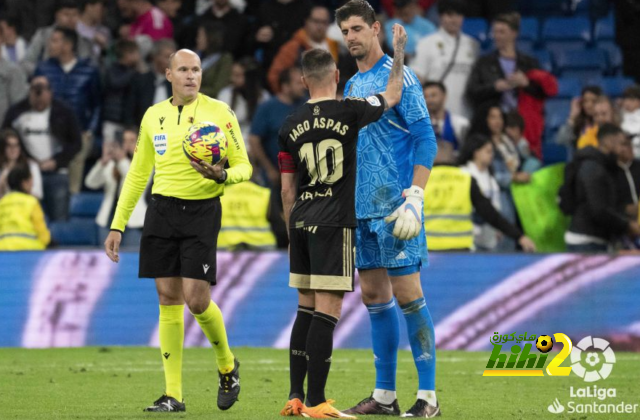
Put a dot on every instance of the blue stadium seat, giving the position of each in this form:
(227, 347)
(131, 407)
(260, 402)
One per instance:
(557, 47)
(554, 153)
(581, 62)
(605, 29)
(529, 29)
(568, 88)
(85, 204)
(566, 29)
(614, 55)
(75, 232)
(556, 112)
(477, 28)
(544, 59)
(579, 9)
(584, 75)
(614, 86)
(542, 8)
(525, 45)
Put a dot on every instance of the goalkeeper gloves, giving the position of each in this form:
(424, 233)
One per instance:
(408, 216)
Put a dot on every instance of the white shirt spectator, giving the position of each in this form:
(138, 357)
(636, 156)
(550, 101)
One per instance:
(485, 236)
(631, 125)
(33, 127)
(434, 56)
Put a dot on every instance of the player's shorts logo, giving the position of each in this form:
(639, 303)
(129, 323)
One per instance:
(160, 143)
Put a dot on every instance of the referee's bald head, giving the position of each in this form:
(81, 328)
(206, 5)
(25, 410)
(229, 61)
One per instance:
(179, 55)
(317, 65)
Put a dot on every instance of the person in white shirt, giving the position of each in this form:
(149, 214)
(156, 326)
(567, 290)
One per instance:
(631, 116)
(447, 126)
(448, 56)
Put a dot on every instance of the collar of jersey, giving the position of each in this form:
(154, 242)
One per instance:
(376, 66)
(184, 107)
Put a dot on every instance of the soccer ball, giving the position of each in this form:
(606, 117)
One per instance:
(544, 343)
(206, 142)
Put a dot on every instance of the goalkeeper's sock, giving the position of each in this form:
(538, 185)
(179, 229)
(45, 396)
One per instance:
(422, 340)
(428, 396)
(212, 325)
(319, 350)
(298, 352)
(385, 335)
(171, 335)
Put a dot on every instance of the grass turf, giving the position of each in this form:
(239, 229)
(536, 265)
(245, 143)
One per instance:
(117, 382)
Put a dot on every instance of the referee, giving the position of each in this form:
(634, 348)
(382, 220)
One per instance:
(178, 245)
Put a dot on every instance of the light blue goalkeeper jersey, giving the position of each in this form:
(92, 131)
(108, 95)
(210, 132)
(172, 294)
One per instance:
(385, 148)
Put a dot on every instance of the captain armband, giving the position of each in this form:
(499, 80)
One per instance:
(286, 163)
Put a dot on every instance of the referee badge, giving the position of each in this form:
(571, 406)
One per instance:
(160, 143)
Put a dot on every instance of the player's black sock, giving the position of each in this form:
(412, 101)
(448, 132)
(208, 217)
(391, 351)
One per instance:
(297, 352)
(319, 349)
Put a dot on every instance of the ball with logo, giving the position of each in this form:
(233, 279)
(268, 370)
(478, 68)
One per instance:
(205, 141)
(544, 343)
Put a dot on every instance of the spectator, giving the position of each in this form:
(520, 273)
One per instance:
(514, 126)
(580, 116)
(597, 220)
(237, 38)
(447, 126)
(245, 93)
(14, 47)
(448, 56)
(453, 196)
(216, 64)
(77, 83)
(118, 78)
(407, 14)
(13, 155)
(67, 16)
(22, 225)
(13, 85)
(51, 135)
(312, 35)
(277, 21)
(149, 21)
(151, 87)
(628, 179)
(245, 218)
(603, 112)
(109, 173)
(631, 115)
(263, 139)
(512, 80)
(31, 15)
(90, 27)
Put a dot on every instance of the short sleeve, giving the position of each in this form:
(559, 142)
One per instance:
(368, 109)
(412, 106)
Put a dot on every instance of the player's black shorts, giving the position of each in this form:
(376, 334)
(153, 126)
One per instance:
(179, 238)
(322, 258)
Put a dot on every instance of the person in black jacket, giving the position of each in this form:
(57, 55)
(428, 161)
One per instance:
(598, 219)
(497, 76)
(52, 136)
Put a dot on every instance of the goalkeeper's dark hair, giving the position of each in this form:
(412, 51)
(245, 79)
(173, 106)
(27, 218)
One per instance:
(317, 64)
(360, 8)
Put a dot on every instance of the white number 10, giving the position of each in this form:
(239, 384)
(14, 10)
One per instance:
(317, 163)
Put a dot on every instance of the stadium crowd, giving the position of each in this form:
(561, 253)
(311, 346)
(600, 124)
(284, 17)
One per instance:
(77, 77)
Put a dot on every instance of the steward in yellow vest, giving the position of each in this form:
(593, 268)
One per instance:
(245, 224)
(451, 197)
(22, 225)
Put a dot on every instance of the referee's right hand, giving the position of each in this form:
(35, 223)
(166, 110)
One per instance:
(112, 245)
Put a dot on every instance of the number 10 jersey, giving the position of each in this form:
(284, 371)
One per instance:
(320, 138)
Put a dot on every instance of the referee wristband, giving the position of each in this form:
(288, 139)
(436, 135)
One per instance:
(224, 177)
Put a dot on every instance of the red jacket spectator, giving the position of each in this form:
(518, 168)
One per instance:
(531, 107)
(152, 22)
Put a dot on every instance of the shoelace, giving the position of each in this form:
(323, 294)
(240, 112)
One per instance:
(226, 381)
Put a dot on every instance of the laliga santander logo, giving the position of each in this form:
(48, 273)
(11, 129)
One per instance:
(589, 363)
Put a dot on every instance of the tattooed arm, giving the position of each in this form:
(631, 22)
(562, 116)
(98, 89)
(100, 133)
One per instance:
(393, 94)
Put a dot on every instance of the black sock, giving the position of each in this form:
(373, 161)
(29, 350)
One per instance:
(319, 349)
(297, 352)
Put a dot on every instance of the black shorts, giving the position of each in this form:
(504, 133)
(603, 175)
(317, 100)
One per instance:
(322, 258)
(179, 238)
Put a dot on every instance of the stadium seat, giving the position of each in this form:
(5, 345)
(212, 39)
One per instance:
(557, 47)
(579, 8)
(568, 88)
(554, 153)
(75, 232)
(476, 28)
(614, 86)
(85, 204)
(581, 62)
(525, 45)
(541, 8)
(529, 29)
(556, 112)
(605, 29)
(544, 59)
(614, 55)
(566, 29)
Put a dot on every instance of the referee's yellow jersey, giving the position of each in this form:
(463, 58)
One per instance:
(159, 145)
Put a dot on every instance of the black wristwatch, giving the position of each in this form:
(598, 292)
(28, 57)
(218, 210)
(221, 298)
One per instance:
(224, 177)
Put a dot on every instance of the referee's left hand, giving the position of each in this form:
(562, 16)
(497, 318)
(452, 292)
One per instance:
(214, 172)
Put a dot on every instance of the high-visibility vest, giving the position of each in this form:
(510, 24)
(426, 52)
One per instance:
(22, 226)
(245, 208)
(447, 209)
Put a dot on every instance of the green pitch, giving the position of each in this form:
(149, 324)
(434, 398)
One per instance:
(116, 383)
